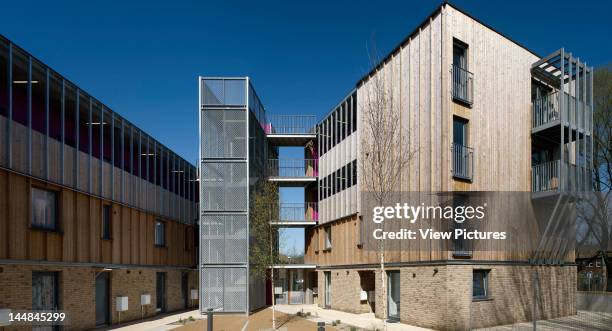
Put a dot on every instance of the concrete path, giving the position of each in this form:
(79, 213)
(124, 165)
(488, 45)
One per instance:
(363, 321)
(584, 320)
(160, 323)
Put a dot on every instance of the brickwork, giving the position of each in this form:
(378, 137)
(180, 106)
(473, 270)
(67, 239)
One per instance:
(77, 291)
(440, 297)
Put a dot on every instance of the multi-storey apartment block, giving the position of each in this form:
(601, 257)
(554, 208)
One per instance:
(481, 112)
(96, 216)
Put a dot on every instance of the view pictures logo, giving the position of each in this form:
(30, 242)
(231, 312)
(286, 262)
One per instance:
(404, 211)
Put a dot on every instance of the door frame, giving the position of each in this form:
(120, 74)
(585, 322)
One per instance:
(108, 298)
(327, 289)
(399, 309)
(164, 300)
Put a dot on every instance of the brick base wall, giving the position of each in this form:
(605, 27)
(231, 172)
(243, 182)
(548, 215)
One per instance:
(77, 291)
(440, 297)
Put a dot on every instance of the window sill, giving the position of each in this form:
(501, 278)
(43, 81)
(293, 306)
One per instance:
(482, 299)
(161, 246)
(106, 239)
(41, 229)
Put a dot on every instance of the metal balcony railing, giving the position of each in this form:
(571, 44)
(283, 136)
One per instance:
(290, 124)
(545, 176)
(462, 161)
(545, 109)
(462, 84)
(294, 212)
(293, 168)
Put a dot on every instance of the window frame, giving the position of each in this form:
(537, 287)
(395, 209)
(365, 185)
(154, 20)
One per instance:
(56, 214)
(163, 238)
(328, 238)
(485, 284)
(106, 232)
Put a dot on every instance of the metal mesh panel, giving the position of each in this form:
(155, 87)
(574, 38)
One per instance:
(211, 286)
(235, 289)
(224, 239)
(223, 133)
(213, 239)
(224, 289)
(236, 239)
(224, 186)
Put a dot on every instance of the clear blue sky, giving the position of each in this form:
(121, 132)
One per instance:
(142, 58)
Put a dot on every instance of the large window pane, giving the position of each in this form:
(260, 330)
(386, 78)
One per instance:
(107, 137)
(96, 129)
(70, 115)
(55, 107)
(44, 209)
(118, 142)
(20, 87)
(127, 149)
(39, 91)
(151, 162)
(136, 157)
(83, 123)
(45, 291)
(144, 152)
(4, 72)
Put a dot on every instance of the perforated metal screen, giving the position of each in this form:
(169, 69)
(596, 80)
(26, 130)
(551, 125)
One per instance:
(223, 133)
(225, 289)
(224, 186)
(224, 239)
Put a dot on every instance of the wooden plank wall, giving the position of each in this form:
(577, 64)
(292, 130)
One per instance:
(79, 238)
(499, 127)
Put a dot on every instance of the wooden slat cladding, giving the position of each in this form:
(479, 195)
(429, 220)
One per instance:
(80, 230)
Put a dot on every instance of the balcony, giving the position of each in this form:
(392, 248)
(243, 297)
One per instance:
(462, 85)
(549, 178)
(293, 172)
(462, 166)
(545, 176)
(290, 130)
(294, 214)
(546, 113)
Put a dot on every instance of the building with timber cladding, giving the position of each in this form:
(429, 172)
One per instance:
(93, 210)
(482, 112)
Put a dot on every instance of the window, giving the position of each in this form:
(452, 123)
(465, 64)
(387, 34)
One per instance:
(4, 72)
(349, 174)
(480, 283)
(459, 131)
(44, 209)
(354, 110)
(106, 222)
(45, 291)
(84, 120)
(160, 233)
(55, 107)
(354, 172)
(70, 115)
(328, 238)
(344, 178)
(39, 98)
(459, 54)
(20, 87)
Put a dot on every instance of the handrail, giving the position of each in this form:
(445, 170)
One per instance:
(293, 168)
(294, 212)
(545, 176)
(462, 161)
(290, 124)
(462, 84)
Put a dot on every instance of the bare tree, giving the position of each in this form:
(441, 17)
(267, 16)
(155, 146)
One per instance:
(385, 153)
(595, 226)
(264, 236)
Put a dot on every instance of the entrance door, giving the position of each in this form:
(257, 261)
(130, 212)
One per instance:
(393, 295)
(327, 289)
(161, 292)
(102, 299)
(185, 289)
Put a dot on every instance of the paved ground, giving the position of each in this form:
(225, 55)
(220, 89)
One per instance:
(261, 320)
(158, 323)
(362, 321)
(584, 320)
